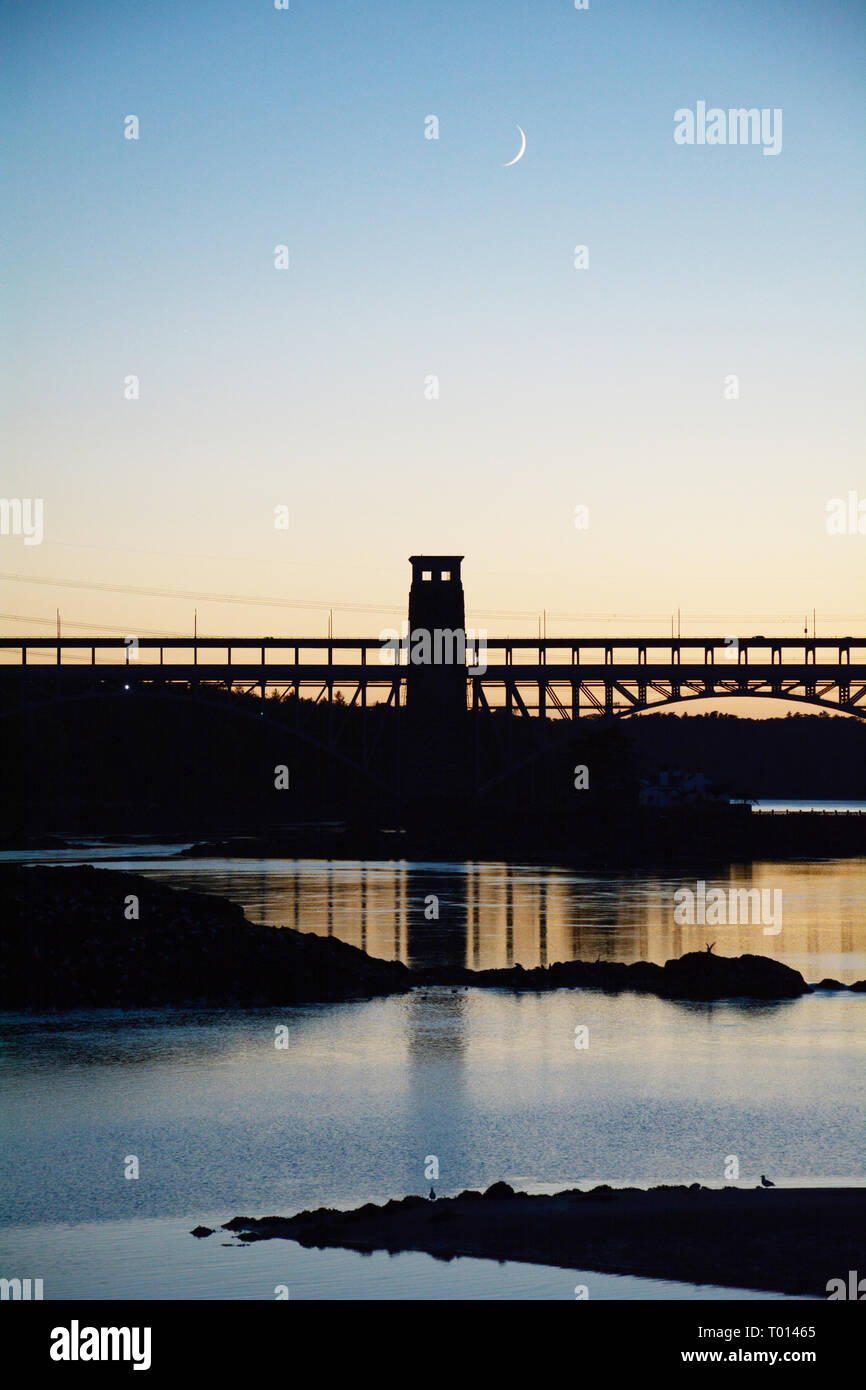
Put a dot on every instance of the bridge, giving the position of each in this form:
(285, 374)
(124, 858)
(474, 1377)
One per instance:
(559, 678)
(429, 690)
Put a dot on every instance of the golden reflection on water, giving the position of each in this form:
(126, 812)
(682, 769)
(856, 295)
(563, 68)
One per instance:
(486, 915)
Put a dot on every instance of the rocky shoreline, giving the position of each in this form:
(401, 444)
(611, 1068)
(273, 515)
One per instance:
(69, 940)
(791, 1241)
(698, 975)
(87, 937)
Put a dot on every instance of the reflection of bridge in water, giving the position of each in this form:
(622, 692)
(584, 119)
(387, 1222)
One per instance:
(553, 682)
(489, 915)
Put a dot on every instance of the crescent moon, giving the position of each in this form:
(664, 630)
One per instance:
(520, 152)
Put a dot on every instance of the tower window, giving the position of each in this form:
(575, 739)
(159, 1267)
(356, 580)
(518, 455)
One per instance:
(445, 576)
(426, 574)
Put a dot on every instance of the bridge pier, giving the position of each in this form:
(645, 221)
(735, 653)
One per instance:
(436, 774)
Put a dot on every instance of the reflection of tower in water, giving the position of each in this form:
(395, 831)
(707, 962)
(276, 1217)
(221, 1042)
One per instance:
(479, 915)
(441, 1111)
(495, 914)
(438, 916)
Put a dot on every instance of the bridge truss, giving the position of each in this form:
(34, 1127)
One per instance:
(554, 678)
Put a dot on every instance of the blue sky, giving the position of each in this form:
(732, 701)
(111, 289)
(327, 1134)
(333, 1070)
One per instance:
(412, 257)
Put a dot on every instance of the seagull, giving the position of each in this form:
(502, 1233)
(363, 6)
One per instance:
(765, 1182)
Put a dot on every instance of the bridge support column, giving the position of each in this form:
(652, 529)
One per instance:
(436, 688)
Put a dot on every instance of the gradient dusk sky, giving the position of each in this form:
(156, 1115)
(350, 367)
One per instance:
(412, 257)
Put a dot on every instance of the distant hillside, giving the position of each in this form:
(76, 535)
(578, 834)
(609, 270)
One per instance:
(146, 762)
(800, 755)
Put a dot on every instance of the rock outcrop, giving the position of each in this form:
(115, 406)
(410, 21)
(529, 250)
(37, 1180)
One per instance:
(789, 1240)
(86, 937)
(697, 975)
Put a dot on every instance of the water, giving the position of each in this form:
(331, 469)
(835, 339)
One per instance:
(838, 808)
(494, 914)
(224, 1123)
(158, 1259)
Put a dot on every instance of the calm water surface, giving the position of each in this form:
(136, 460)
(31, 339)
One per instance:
(496, 914)
(224, 1123)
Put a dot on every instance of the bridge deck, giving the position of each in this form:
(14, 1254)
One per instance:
(818, 673)
(618, 651)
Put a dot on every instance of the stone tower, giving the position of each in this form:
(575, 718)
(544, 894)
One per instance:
(436, 682)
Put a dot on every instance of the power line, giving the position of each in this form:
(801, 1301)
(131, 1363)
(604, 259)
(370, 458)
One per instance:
(328, 605)
(194, 595)
(91, 627)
